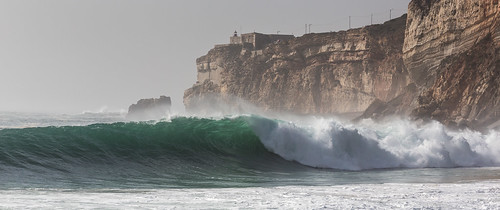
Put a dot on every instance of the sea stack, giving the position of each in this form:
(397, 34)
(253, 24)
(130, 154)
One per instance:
(150, 109)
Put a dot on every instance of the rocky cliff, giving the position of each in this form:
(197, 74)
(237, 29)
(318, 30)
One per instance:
(441, 62)
(437, 29)
(466, 93)
(454, 45)
(451, 51)
(328, 73)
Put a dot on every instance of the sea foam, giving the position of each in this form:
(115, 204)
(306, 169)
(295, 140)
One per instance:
(481, 195)
(328, 143)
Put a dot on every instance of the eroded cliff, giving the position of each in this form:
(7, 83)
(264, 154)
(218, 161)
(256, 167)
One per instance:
(466, 93)
(452, 51)
(437, 29)
(328, 73)
(443, 64)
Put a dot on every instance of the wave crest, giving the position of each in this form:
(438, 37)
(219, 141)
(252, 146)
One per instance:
(327, 143)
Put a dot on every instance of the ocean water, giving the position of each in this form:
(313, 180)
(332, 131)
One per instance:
(101, 160)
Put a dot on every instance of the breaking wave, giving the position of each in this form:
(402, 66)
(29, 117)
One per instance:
(328, 143)
(202, 152)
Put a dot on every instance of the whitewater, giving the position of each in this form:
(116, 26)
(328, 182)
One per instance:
(327, 143)
(102, 160)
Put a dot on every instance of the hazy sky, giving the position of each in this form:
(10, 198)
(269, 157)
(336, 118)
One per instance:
(70, 56)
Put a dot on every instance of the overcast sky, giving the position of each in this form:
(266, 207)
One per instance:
(70, 56)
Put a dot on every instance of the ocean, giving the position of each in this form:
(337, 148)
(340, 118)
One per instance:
(101, 160)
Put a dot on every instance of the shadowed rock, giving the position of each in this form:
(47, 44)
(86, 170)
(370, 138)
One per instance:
(150, 109)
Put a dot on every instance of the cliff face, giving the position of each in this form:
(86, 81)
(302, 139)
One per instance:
(467, 91)
(452, 52)
(437, 29)
(443, 63)
(327, 73)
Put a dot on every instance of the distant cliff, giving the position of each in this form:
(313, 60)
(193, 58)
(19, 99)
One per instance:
(440, 62)
(327, 73)
(150, 109)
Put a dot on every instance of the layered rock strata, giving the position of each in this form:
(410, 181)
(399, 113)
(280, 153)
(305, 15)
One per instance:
(451, 51)
(466, 93)
(437, 29)
(328, 73)
(441, 62)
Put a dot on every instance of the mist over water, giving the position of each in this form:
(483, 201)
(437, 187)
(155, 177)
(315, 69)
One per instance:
(337, 143)
(27, 120)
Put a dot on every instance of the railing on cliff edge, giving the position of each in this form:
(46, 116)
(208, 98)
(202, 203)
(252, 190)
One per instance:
(344, 23)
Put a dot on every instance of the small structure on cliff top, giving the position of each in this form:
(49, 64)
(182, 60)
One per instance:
(258, 40)
(150, 109)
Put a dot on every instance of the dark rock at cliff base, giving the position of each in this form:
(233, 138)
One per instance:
(150, 109)
(397, 106)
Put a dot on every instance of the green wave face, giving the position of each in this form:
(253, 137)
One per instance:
(245, 151)
(186, 152)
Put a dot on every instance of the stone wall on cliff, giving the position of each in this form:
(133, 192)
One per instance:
(327, 73)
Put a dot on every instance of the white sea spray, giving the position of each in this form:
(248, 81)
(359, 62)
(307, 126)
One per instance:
(329, 143)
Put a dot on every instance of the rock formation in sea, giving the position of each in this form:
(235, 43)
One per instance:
(439, 62)
(150, 109)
